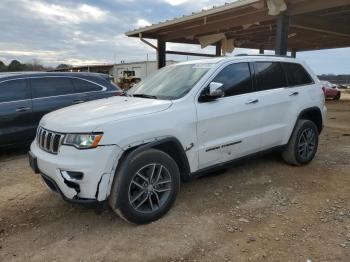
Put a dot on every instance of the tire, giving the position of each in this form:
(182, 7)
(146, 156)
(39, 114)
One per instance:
(337, 97)
(134, 197)
(303, 144)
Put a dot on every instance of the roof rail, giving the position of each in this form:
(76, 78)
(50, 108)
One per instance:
(265, 55)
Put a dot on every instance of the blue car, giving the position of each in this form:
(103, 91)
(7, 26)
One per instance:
(26, 97)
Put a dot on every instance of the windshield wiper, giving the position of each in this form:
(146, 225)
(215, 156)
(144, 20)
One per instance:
(144, 96)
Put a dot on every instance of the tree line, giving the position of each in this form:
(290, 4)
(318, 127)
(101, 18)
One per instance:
(35, 65)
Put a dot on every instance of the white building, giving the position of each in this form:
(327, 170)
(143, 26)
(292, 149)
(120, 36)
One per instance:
(142, 69)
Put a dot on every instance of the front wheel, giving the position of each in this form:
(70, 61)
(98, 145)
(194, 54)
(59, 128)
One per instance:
(303, 144)
(145, 186)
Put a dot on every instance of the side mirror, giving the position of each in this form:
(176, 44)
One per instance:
(215, 91)
(212, 92)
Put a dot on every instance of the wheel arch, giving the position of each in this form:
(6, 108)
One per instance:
(169, 145)
(313, 114)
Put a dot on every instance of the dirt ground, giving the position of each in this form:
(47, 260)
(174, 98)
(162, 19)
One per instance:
(260, 210)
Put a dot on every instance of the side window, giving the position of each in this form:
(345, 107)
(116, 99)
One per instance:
(82, 86)
(297, 75)
(51, 86)
(14, 90)
(236, 79)
(270, 75)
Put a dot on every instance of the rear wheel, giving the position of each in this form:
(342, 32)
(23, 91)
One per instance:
(145, 186)
(303, 144)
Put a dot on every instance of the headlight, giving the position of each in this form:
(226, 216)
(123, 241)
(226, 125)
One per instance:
(83, 141)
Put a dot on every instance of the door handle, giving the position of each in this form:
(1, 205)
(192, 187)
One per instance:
(253, 101)
(22, 109)
(75, 102)
(294, 94)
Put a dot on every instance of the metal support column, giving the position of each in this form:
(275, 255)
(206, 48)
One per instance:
(161, 53)
(281, 45)
(218, 49)
(261, 50)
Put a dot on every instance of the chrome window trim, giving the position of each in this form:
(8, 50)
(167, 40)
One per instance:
(35, 77)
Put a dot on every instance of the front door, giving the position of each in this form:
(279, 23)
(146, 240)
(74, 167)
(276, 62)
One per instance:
(229, 127)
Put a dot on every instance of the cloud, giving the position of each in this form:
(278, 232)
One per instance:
(87, 31)
(67, 14)
(176, 2)
(199, 4)
(142, 23)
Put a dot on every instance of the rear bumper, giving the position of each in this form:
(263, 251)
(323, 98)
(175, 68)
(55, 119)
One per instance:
(97, 166)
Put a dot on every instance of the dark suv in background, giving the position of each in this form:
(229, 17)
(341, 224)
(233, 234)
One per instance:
(26, 97)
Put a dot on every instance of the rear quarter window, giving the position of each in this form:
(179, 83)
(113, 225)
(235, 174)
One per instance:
(82, 86)
(296, 75)
(51, 86)
(14, 90)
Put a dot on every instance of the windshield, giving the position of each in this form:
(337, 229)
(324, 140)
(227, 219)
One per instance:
(172, 82)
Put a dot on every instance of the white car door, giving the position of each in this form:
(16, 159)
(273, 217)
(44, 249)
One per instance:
(228, 127)
(276, 99)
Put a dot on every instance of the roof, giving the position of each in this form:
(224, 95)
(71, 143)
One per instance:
(83, 67)
(240, 58)
(40, 74)
(314, 24)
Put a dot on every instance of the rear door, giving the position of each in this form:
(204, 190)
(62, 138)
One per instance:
(276, 100)
(301, 89)
(52, 93)
(16, 123)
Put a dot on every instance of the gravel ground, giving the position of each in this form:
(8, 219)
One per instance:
(259, 210)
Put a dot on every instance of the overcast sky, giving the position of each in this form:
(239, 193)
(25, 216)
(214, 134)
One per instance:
(90, 32)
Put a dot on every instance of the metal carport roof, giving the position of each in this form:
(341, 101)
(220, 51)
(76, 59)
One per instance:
(299, 25)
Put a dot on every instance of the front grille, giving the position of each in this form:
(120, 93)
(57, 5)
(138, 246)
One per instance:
(49, 141)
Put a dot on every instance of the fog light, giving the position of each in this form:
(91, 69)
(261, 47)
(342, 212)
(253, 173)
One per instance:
(72, 176)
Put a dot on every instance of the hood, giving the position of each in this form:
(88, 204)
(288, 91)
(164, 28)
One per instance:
(88, 116)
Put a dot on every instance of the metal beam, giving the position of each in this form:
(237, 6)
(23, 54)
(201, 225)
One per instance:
(314, 5)
(261, 50)
(319, 30)
(281, 45)
(218, 49)
(248, 18)
(294, 53)
(146, 42)
(328, 26)
(161, 54)
(189, 54)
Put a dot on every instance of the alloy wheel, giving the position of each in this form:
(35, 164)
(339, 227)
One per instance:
(150, 188)
(307, 143)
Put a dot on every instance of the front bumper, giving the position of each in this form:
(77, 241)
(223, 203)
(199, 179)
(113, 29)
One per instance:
(97, 165)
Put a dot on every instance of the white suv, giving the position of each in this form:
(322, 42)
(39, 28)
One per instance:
(185, 120)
